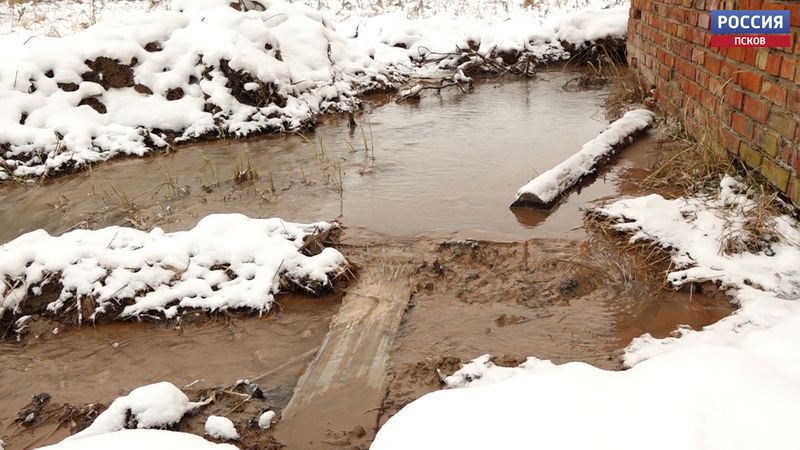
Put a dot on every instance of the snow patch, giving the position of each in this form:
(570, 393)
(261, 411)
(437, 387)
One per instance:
(152, 406)
(220, 427)
(739, 402)
(132, 272)
(265, 419)
(481, 371)
(764, 280)
(138, 440)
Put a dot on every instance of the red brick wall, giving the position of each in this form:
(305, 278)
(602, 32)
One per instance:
(745, 100)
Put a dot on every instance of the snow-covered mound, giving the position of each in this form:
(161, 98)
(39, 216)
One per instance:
(140, 439)
(732, 385)
(152, 406)
(145, 80)
(220, 427)
(696, 398)
(119, 271)
(761, 273)
(546, 187)
(126, 86)
(402, 42)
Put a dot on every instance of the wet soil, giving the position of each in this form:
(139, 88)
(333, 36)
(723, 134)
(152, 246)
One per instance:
(424, 188)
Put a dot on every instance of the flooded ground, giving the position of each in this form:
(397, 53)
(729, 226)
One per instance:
(98, 364)
(444, 166)
(414, 183)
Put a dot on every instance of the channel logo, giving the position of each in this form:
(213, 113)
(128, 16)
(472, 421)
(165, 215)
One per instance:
(751, 28)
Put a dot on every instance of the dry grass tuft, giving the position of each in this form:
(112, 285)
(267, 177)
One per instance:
(686, 167)
(245, 172)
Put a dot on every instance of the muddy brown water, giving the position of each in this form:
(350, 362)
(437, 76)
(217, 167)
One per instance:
(408, 177)
(445, 166)
(97, 364)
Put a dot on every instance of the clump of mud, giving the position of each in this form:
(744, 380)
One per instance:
(482, 272)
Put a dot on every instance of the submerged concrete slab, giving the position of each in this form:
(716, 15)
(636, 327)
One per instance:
(344, 386)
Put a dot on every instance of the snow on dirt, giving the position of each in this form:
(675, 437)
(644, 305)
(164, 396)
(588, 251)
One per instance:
(709, 240)
(546, 187)
(226, 261)
(142, 80)
(152, 406)
(709, 398)
(265, 419)
(219, 427)
(140, 439)
(118, 87)
(746, 396)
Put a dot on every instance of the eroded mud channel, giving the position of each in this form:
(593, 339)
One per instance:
(446, 271)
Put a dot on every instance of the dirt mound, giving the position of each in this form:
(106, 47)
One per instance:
(524, 273)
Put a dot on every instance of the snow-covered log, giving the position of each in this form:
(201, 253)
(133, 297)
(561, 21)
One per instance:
(545, 189)
(227, 261)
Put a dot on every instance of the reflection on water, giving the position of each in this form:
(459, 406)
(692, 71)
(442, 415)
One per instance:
(445, 166)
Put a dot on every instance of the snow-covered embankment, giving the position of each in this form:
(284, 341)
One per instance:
(227, 261)
(143, 81)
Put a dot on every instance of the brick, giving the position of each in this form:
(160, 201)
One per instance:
(788, 67)
(770, 142)
(789, 154)
(776, 173)
(729, 72)
(733, 97)
(704, 20)
(750, 56)
(761, 58)
(793, 191)
(709, 101)
(749, 155)
(774, 92)
(794, 13)
(783, 123)
(774, 64)
(797, 161)
(750, 81)
(742, 125)
(755, 109)
(729, 141)
(796, 164)
(793, 101)
(712, 63)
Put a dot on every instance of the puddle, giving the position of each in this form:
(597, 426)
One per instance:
(445, 166)
(83, 366)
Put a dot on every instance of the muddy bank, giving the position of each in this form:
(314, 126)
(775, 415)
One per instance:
(443, 167)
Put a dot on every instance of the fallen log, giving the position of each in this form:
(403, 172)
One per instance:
(545, 189)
